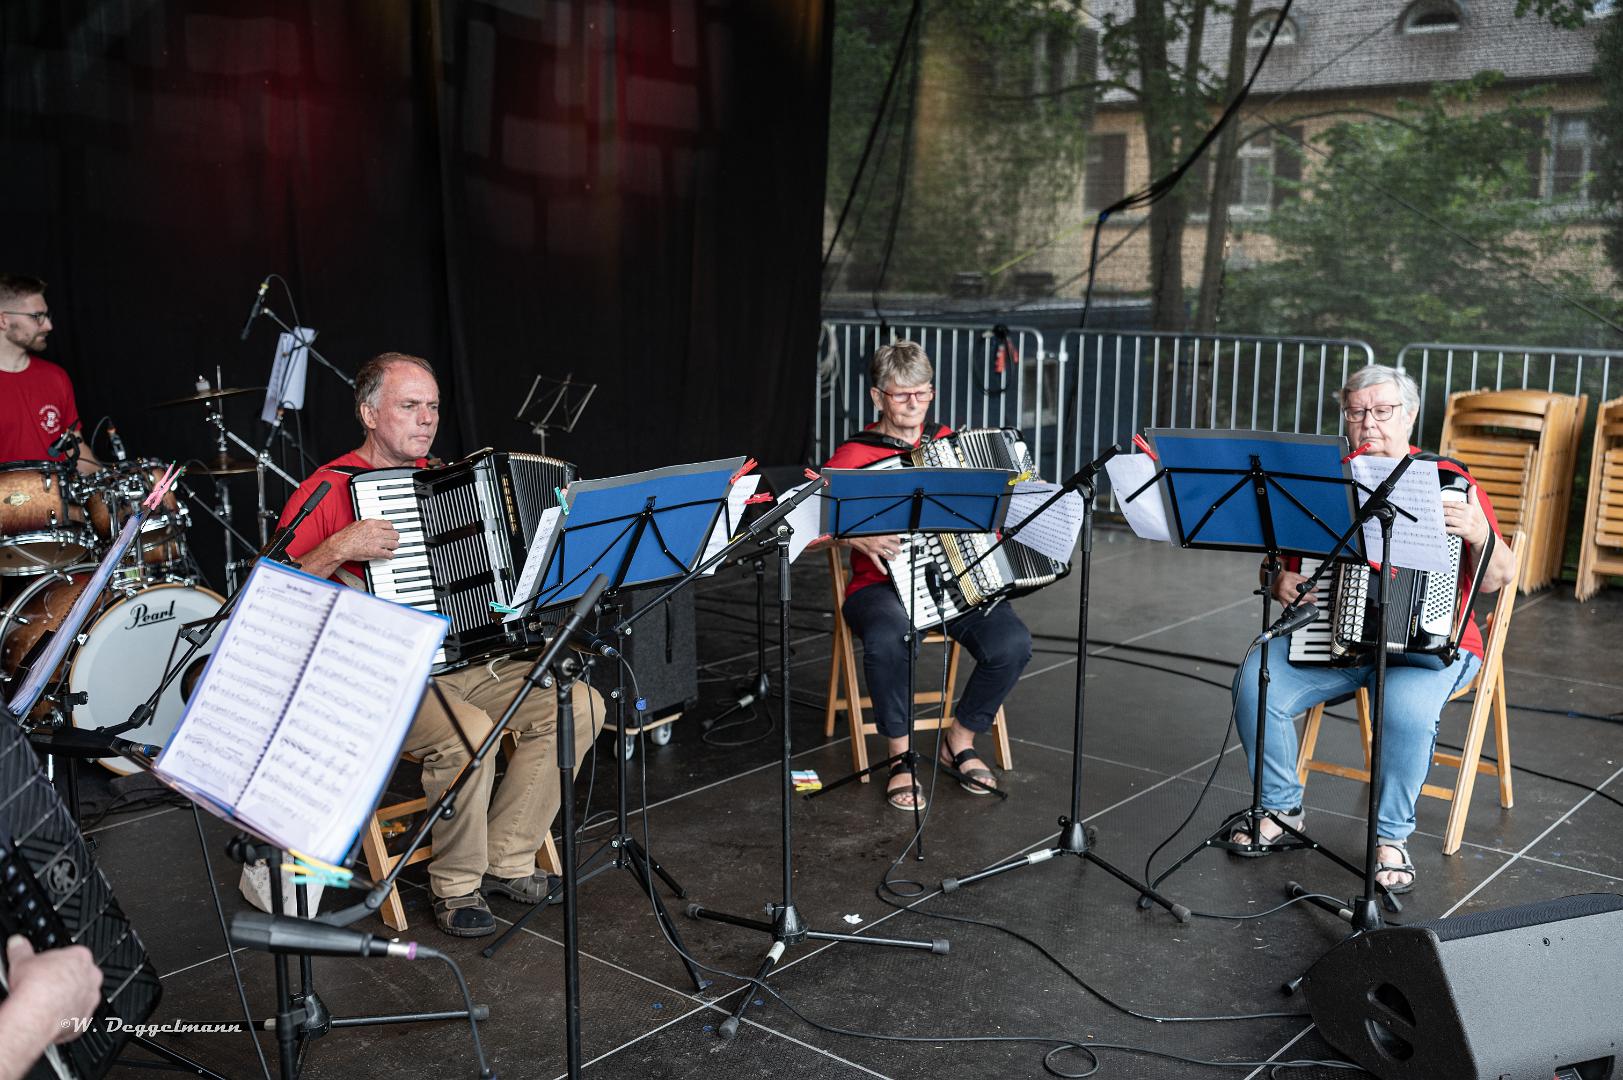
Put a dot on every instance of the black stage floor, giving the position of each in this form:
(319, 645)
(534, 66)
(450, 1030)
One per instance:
(1086, 965)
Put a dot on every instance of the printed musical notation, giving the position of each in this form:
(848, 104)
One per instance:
(298, 719)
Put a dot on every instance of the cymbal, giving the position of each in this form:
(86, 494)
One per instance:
(226, 465)
(207, 395)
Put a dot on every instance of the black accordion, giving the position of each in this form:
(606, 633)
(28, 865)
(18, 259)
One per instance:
(969, 577)
(1425, 610)
(465, 530)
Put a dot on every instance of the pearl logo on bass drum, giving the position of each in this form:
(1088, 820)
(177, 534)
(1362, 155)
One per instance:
(142, 615)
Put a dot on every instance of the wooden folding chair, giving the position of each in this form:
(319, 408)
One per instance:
(1522, 448)
(1600, 552)
(379, 860)
(844, 692)
(1488, 706)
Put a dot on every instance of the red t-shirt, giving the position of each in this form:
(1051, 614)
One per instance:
(332, 513)
(855, 455)
(1471, 636)
(36, 405)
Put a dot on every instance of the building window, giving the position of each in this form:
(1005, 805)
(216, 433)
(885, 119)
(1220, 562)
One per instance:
(1262, 25)
(1105, 181)
(1264, 160)
(1431, 17)
(1570, 159)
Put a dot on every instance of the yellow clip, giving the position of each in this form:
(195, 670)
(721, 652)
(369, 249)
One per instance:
(1022, 478)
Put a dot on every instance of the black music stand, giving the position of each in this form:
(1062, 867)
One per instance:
(639, 530)
(883, 502)
(787, 927)
(1301, 502)
(1074, 838)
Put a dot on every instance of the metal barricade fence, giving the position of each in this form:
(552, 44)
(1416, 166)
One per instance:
(973, 388)
(1444, 368)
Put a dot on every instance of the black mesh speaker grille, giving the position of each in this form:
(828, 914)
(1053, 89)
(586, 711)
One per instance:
(1515, 918)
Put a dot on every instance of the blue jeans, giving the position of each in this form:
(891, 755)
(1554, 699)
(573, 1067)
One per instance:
(997, 639)
(1415, 694)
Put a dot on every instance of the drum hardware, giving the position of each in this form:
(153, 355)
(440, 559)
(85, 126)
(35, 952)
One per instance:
(205, 393)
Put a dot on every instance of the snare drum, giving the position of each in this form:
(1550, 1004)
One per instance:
(42, 526)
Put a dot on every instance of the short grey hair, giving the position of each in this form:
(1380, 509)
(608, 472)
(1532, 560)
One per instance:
(369, 380)
(1375, 375)
(903, 363)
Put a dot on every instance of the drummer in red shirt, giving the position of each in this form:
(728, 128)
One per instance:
(901, 381)
(36, 396)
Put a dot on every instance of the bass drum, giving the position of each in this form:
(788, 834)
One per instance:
(124, 654)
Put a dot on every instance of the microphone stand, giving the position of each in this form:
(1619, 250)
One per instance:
(1074, 837)
(1366, 916)
(270, 313)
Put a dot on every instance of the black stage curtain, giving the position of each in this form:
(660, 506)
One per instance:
(631, 192)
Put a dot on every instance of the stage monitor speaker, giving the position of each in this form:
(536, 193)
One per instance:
(1522, 993)
(661, 650)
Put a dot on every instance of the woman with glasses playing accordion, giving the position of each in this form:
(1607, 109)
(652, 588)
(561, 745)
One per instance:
(900, 378)
(1380, 405)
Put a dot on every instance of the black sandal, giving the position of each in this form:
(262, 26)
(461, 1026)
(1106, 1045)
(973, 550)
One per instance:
(976, 781)
(909, 798)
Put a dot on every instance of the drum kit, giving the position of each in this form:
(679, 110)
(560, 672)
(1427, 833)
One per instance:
(56, 523)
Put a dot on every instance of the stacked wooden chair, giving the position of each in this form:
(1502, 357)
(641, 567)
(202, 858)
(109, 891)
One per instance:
(844, 694)
(1522, 447)
(1600, 551)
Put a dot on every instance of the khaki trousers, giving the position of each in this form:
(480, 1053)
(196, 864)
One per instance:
(497, 835)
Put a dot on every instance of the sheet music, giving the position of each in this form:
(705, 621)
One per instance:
(731, 517)
(806, 520)
(1147, 514)
(344, 725)
(1420, 544)
(236, 706)
(300, 714)
(285, 389)
(1054, 531)
(534, 562)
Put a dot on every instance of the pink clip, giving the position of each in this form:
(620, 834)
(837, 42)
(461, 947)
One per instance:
(811, 475)
(765, 496)
(1355, 453)
(1144, 445)
(161, 488)
(749, 463)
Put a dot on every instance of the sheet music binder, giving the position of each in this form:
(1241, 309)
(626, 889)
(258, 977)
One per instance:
(260, 755)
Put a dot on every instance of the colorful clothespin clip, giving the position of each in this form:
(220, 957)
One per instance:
(765, 496)
(1355, 453)
(503, 609)
(563, 504)
(1144, 444)
(812, 474)
(749, 463)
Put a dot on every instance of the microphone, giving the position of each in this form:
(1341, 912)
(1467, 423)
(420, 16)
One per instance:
(1294, 617)
(271, 438)
(591, 642)
(117, 443)
(253, 312)
(932, 582)
(78, 742)
(63, 443)
(283, 934)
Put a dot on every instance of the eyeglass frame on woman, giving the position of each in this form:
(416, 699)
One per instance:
(1356, 415)
(41, 317)
(905, 396)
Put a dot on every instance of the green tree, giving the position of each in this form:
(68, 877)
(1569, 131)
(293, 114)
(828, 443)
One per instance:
(1419, 227)
(1607, 189)
(984, 134)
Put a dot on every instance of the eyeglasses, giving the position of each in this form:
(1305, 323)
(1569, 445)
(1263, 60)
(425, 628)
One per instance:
(902, 397)
(1380, 412)
(41, 317)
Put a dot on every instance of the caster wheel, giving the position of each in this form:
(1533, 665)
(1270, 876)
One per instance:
(660, 736)
(628, 747)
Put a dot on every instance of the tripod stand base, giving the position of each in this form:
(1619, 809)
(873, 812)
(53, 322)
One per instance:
(1074, 839)
(1361, 913)
(788, 928)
